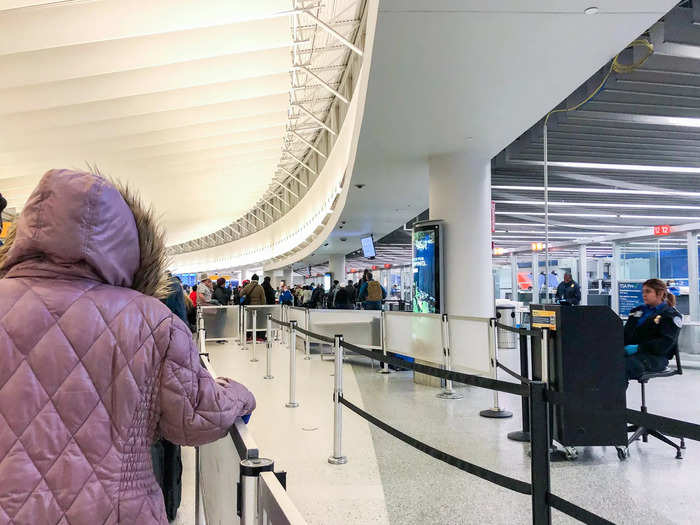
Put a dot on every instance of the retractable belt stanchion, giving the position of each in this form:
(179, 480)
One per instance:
(448, 392)
(254, 359)
(245, 328)
(496, 411)
(292, 366)
(307, 343)
(524, 434)
(539, 453)
(383, 367)
(337, 458)
(268, 348)
(248, 494)
(197, 502)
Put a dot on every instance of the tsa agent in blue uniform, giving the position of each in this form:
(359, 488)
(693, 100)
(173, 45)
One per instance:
(651, 331)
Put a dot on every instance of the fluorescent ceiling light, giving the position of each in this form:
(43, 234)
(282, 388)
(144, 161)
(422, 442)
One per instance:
(611, 191)
(601, 215)
(551, 232)
(602, 205)
(604, 166)
(587, 226)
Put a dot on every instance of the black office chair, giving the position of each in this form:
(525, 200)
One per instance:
(644, 432)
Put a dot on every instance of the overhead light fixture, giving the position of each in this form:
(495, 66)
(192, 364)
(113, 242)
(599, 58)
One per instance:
(613, 167)
(591, 11)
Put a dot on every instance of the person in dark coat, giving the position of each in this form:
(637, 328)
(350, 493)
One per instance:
(568, 291)
(269, 291)
(221, 293)
(651, 331)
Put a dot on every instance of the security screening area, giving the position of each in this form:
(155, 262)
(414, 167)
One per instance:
(418, 262)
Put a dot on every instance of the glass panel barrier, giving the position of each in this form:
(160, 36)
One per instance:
(220, 322)
(359, 327)
(414, 335)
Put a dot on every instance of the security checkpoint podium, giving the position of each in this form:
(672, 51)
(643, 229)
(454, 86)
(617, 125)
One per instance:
(585, 360)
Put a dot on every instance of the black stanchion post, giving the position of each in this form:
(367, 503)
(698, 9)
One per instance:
(539, 454)
(524, 434)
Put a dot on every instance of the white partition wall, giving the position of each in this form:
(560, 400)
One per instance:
(414, 335)
(220, 322)
(358, 327)
(469, 343)
(219, 473)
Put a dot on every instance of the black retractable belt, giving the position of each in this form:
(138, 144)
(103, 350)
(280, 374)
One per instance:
(458, 377)
(494, 477)
(575, 511)
(665, 425)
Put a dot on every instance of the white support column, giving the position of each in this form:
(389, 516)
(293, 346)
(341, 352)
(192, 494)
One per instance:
(583, 273)
(336, 266)
(694, 293)
(460, 195)
(614, 276)
(514, 275)
(287, 275)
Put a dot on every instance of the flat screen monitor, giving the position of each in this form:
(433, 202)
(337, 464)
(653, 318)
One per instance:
(368, 247)
(427, 268)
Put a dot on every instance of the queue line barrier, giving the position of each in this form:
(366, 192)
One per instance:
(538, 397)
(233, 482)
(535, 394)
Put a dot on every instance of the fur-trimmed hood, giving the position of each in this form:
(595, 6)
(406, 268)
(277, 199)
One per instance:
(82, 225)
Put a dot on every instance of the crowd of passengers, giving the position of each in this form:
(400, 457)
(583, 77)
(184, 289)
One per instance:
(367, 294)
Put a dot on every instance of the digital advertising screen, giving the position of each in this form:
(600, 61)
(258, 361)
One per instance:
(426, 269)
(368, 247)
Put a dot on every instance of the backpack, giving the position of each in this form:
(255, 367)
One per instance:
(374, 291)
(245, 299)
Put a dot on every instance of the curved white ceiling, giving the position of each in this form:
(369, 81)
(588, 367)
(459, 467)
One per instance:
(185, 99)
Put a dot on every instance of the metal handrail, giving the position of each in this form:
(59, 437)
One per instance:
(274, 501)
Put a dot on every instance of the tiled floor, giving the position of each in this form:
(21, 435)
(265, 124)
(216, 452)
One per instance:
(386, 481)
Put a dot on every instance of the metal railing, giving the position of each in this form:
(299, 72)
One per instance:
(258, 496)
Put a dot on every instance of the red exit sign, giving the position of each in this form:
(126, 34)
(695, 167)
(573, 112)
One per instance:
(662, 229)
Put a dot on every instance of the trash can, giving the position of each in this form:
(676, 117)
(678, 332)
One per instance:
(505, 314)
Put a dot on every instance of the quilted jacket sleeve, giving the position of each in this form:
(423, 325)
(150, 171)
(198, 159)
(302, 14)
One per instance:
(196, 408)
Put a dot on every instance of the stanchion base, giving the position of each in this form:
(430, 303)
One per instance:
(342, 460)
(496, 413)
(268, 377)
(307, 358)
(291, 405)
(384, 371)
(253, 360)
(519, 435)
(449, 395)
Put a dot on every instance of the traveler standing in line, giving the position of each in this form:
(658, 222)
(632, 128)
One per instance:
(372, 294)
(193, 295)
(568, 291)
(317, 297)
(252, 293)
(221, 293)
(204, 292)
(351, 295)
(651, 331)
(286, 296)
(269, 291)
(83, 269)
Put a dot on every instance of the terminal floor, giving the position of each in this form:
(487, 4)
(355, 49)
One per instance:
(386, 481)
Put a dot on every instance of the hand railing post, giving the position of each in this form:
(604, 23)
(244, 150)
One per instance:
(238, 320)
(254, 359)
(539, 453)
(245, 327)
(337, 458)
(448, 392)
(307, 342)
(524, 434)
(383, 367)
(292, 366)
(250, 470)
(496, 411)
(268, 348)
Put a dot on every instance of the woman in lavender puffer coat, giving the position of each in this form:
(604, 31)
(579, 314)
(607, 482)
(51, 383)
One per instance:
(93, 367)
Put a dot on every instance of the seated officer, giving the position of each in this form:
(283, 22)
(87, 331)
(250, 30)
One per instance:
(568, 291)
(651, 331)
